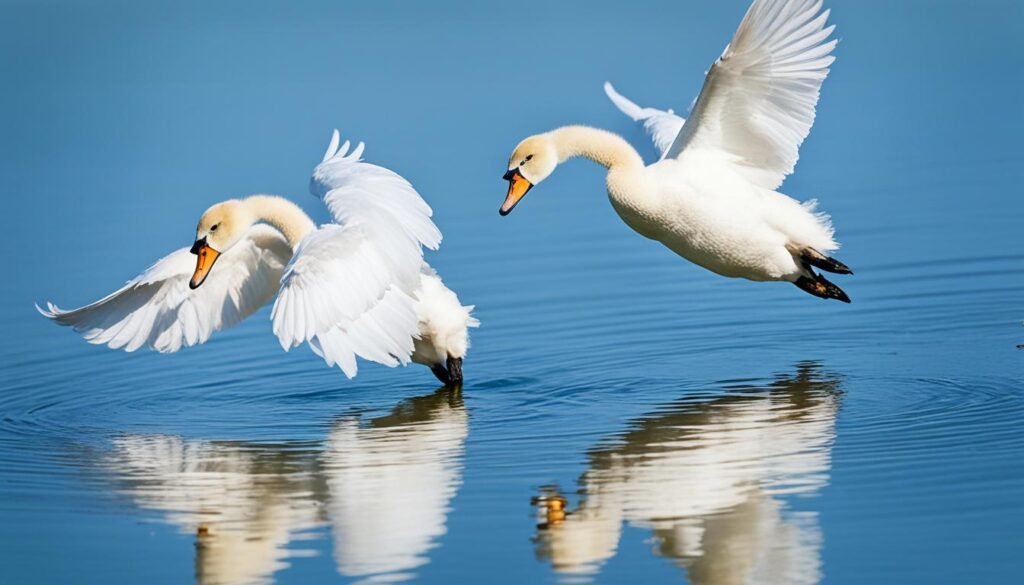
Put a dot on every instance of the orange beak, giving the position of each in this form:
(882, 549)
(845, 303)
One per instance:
(518, 187)
(205, 257)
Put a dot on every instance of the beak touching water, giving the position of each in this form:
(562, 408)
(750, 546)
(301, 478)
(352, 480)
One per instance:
(518, 187)
(205, 257)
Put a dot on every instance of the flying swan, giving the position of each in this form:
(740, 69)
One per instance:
(712, 197)
(356, 287)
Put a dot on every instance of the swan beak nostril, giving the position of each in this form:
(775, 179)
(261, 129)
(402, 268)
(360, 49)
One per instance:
(518, 187)
(205, 257)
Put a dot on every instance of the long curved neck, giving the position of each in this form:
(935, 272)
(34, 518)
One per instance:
(605, 148)
(281, 214)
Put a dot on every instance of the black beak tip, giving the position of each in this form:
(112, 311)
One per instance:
(454, 371)
(449, 373)
(503, 212)
(194, 285)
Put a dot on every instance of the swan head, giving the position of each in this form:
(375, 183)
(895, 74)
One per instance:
(220, 227)
(531, 162)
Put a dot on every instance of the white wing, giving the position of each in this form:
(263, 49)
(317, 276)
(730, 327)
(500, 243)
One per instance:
(383, 334)
(758, 100)
(661, 126)
(356, 192)
(349, 289)
(158, 310)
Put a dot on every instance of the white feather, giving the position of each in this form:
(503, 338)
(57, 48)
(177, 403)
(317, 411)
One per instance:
(353, 190)
(352, 288)
(348, 289)
(758, 101)
(661, 126)
(443, 321)
(158, 310)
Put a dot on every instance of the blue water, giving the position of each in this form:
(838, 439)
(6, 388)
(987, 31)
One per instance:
(694, 428)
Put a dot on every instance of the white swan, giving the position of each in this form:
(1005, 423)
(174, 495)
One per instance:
(355, 287)
(711, 198)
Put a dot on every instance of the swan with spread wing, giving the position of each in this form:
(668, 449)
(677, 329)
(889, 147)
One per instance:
(356, 287)
(712, 196)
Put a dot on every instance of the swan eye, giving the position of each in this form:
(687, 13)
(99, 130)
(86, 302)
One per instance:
(528, 157)
(213, 227)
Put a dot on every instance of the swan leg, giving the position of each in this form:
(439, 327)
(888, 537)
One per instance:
(820, 287)
(815, 258)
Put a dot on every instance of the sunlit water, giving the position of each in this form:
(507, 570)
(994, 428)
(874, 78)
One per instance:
(627, 417)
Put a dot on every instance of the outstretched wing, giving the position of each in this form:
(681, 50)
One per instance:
(661, 126)
(356, 192)
(349, 289)
(158, 310)
(758, 100)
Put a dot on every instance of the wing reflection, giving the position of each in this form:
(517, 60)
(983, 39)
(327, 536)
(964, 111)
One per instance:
(384, 487)
(244, 503)
(706, 479)
(391, 484)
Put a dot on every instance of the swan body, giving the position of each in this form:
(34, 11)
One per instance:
(357, 287)
(712, 197)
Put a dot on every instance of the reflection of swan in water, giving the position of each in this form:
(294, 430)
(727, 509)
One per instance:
(385, 488)
(244, 503)
(391, 483)
(705, 478)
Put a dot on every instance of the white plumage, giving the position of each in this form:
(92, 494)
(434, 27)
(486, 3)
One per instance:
(758, 100)
(439, 312)
(711, 197)
(157, 310)
(350, 288)
(661, 126)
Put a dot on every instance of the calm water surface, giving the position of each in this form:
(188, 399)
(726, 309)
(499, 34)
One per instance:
(627, 417)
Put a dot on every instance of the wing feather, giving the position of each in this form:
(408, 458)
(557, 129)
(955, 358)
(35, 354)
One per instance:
(354, 190)
(661, 126)
(381, 334)
(348, 291)
(158, 310)
(758, 101)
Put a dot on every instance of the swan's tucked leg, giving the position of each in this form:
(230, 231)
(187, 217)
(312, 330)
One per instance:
(818, 286)
(826, 263)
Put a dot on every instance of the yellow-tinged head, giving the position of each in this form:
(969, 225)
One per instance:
(531, 162)
(220, 227)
